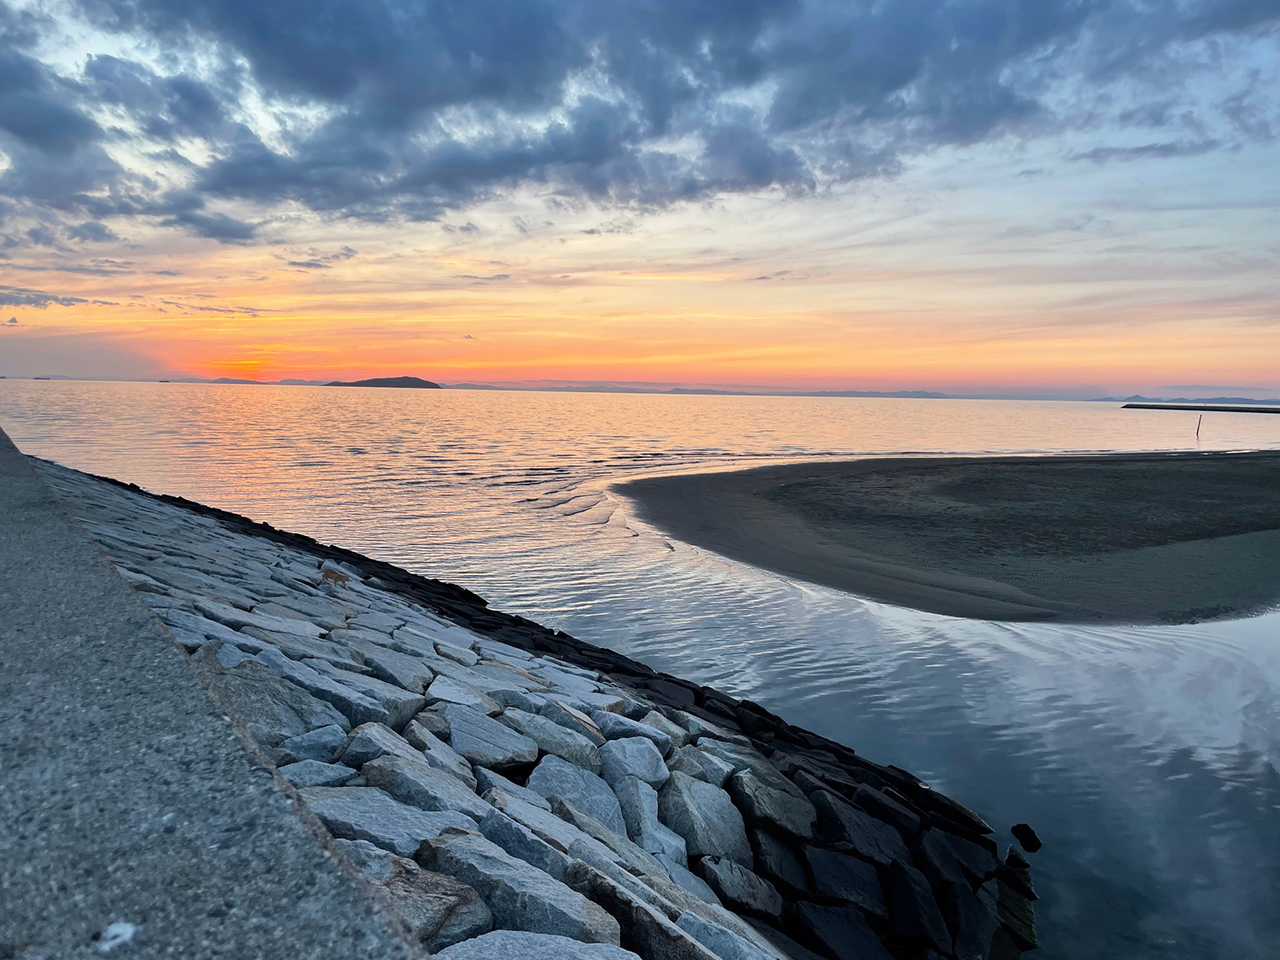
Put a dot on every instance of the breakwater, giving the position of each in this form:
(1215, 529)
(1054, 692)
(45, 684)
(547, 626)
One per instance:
(496, 781)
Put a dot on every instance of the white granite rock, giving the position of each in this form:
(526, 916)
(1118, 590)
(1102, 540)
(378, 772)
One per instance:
(639, 803)
(365, 813)
(521, 896)
(519, 945)
(485, 741)
(554, 739)
(313, 773)
(554, 777)
(616, 727)
(706, 817)
(633, 757)
(421, 785)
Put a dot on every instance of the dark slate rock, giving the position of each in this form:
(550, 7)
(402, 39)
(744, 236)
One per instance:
(839, 932)
(883, 806)
(840, 876)
(841, 822)
(1027, 837)
(777, 862)
(971, 919)
(763, 804)
(1016, 915)
(913, 912)
(946, 858)
(739, 888)
(1016, 872)
(789, 948)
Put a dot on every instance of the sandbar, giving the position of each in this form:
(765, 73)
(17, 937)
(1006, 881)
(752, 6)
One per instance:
(1120, 538)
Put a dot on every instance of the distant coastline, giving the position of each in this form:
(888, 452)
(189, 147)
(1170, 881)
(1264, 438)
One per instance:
(412, 383)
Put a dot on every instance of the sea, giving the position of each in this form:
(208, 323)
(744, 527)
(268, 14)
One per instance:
(1147, 758)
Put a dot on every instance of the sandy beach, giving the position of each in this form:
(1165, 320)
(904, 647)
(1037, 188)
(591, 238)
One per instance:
(1143, 538)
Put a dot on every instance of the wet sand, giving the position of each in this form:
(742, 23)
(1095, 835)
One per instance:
(1132, 538)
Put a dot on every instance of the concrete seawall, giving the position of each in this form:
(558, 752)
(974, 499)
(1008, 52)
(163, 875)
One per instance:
(487, 785)
(130, 812)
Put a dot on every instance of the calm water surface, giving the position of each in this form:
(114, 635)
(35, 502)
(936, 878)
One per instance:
(1146, 757)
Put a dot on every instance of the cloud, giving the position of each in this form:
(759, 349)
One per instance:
(317, 260)
(12, 322)
(396, 109)
(92, 232)
(1180, 148)
(22, 297)
(480, 279)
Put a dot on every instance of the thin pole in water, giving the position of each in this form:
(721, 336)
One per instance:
(1198, 422)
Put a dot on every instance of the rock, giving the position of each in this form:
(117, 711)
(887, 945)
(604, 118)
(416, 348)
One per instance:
(777, 863)
(642, 928)
(194, 631)
(1026, 837)
(884, 807)
(721, 941)
(1016, 915)
(1017, 873)
(701, 766)
(411, 673)
(572, 719)
(636, 860)
(314, 773)
(520, 896)
(421, 785)
(840, 932)
(400, 704)
(699, 728)
(238, 619)
(375, 621)
(841, 822)
(462, 655)
(839, 876)
(615, 727)
(971, 921)
(913, 913)
(273, 709)
(321, 744)
(355, 706)
(639, 804)
(682, 877)
(484, 741)
(486, 780)
(433, 723)
(763, 804)
(741, 889)
(439, 754)
(633, 757)
(523, 844)
(365, 813)
(448, 690)
(749, 758)
(370, 741)
(946, 858)
(518, 945)
(781, 945)
(555, 739)
(679, 736)
(706, 818)
(438, 910)
(562, 836)
(555, 777)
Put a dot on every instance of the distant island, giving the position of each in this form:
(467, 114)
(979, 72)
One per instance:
(415, 382)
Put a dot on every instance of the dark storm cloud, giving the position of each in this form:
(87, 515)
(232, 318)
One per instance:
(417, 109)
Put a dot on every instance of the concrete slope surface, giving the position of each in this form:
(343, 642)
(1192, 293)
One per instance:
(133, 820)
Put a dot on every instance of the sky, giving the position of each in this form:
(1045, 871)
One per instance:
(1023, 197)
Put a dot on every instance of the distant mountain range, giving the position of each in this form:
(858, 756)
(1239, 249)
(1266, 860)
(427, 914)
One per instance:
(569, 386)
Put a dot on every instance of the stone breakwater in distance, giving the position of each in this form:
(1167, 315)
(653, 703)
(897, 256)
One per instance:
(507, 788)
